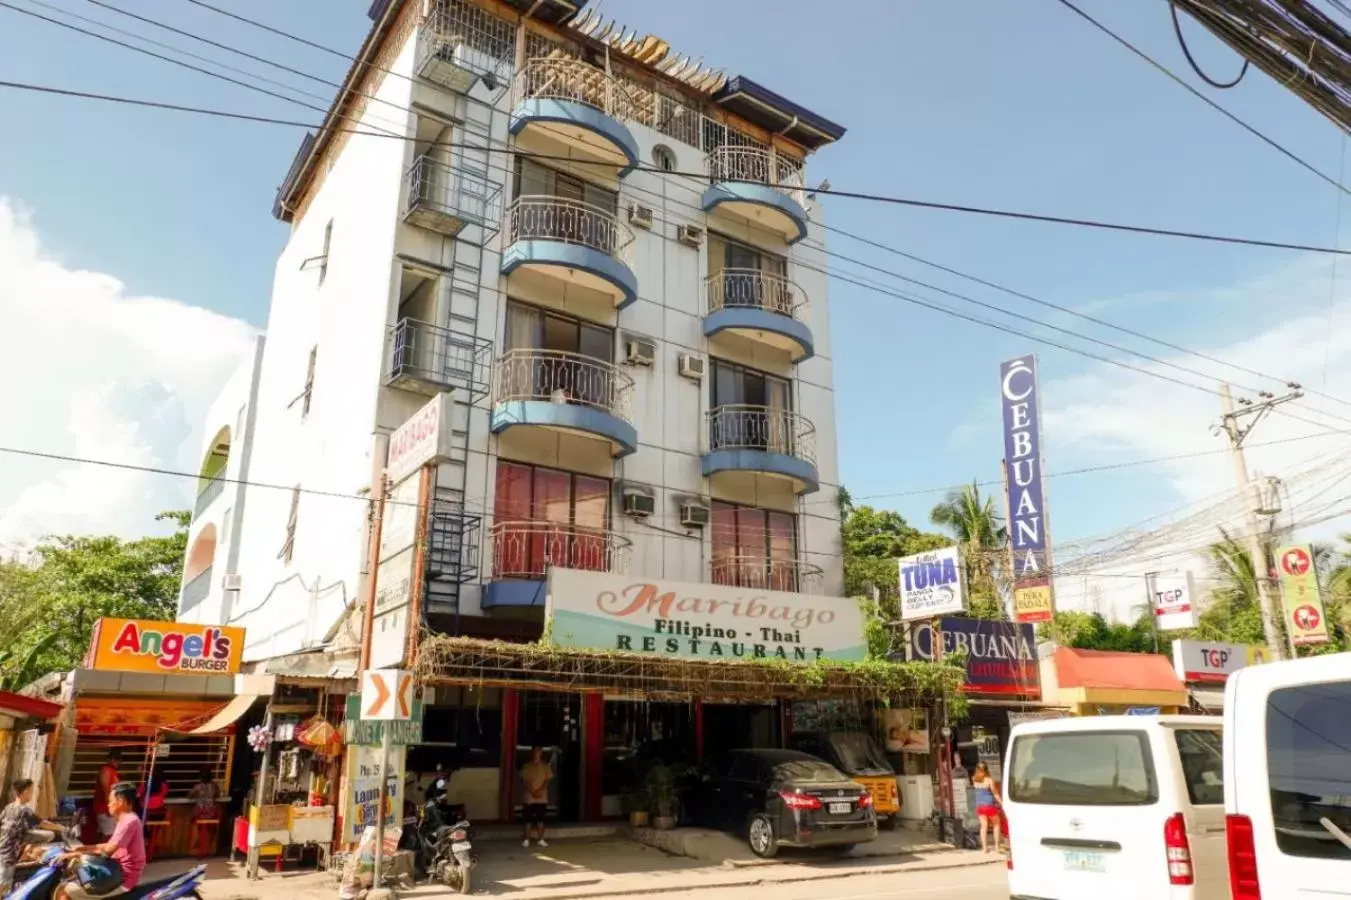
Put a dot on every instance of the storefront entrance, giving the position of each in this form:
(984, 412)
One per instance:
(552, 722)
(638, 736)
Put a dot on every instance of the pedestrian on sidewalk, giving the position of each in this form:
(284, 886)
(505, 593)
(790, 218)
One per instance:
(535, 778)
(987, 806)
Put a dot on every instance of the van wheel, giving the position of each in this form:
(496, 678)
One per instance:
(760, 833)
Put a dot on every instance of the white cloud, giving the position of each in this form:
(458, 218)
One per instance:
(94, 372)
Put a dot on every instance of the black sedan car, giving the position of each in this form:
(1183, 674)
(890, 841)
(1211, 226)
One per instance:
(778, 798)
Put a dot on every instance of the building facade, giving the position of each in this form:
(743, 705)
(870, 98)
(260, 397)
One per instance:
(607, 256)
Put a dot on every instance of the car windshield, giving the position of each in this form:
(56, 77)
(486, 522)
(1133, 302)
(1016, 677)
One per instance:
(1083, 768)
(858, 753)
(1308, 759)
(810, 770)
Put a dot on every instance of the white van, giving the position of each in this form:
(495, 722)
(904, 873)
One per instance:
(1116, 807)
(1287, 774)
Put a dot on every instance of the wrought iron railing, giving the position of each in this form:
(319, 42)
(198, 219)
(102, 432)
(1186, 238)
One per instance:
(739, 426)
(754, 289)
(759, 166)
(196, 590)
(467, 35)
(438, 356)
(761, 573)
(562, 78)
(527, 548)
(561, 377)
(208, 494)
(450, 191)
(541, 218)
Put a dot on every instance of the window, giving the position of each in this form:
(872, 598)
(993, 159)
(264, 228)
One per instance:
(664, 158)
(1309, 767)
(741, 275)
(568, 374)
(548, 517)
(751, 410)
(754, 548)
(328, 243)
(1083, 768)
(1201, 754)
(307, 393)
(289, 545)
(563, 208)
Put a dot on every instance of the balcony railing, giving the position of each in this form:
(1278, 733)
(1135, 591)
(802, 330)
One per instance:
(754, 165)
(423, 354)
(460, 42)
(574, 81)
(542, 218)
(208, 494)
(743, 427)
(455, 196)
(560, 377)
(196, 590)
(527, 548)
(763, 574)
(754, 289)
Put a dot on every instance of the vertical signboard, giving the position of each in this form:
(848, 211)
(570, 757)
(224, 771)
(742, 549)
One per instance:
(394, 582)
(1170, 596)
(362, 802)
(1301, 601)
(931, 584)
(1029, 541)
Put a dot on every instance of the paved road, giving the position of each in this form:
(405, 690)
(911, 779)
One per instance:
(969, 883)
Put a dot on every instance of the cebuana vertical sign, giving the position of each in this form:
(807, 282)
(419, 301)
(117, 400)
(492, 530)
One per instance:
(1029, 540)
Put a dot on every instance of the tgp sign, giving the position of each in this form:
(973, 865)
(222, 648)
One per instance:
(1026, 498)
(1001, 657)
(1211, 662)
(1170, 595)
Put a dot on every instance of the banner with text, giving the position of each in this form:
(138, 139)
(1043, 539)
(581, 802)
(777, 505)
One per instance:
(1211, 662)
(1171, 597)
(1029, 540)
(1301, 600)
(931, 584)
(1001, 657)
(630, 613)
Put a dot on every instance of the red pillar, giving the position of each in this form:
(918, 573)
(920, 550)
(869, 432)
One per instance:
(593, 754)
(698, 729)
(511, 711)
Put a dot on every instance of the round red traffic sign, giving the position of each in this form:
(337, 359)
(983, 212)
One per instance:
(1307, 618)
(1295, 561)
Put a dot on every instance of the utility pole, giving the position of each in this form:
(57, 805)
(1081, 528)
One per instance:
(1237, 431)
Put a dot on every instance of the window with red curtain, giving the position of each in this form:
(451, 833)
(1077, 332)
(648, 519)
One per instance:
(548, 517)
(754, 548)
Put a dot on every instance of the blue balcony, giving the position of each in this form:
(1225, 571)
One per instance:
(573, 242)
(574, 104)
(762, 440)
(546, 391)
(760, 306)
(208, 494)
(523, 551)
(756, 187)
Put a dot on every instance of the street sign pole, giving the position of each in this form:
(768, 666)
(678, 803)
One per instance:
(385, 798)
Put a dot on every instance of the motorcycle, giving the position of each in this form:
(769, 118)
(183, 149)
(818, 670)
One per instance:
(42, 884)
(453, 857)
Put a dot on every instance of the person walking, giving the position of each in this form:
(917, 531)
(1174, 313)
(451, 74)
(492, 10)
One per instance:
(535, 778)
(103, 788)
(987, 806)
(19, 825)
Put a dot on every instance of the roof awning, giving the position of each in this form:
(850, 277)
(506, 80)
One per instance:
(226, 716)
(1208, 698)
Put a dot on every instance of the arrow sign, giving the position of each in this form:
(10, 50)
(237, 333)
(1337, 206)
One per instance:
(386, 695)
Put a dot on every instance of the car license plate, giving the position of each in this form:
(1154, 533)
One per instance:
(1079, 861)
(460, 847)
(841, 809)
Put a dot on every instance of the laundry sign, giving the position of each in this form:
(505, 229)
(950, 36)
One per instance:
(931, 584)
(652, 616)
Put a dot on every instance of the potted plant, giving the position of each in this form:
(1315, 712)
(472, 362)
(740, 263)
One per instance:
(637, 805)
(661, 796)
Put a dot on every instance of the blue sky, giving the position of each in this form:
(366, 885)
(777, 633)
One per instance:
(1015, 105)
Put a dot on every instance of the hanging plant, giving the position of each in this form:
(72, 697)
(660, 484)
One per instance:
(259, 738)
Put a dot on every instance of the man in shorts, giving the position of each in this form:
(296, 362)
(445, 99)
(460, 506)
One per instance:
(19, 825)
(535, 778)
(126, 846)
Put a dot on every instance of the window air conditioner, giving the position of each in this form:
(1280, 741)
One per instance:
(640, 506)
(640, 352)
(640, 215)
(694, 515)
(690, 235)
(691, 366)
(231, 582)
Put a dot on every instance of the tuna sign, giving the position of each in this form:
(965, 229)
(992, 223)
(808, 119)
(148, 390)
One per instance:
(1027, 526)
(931, 584)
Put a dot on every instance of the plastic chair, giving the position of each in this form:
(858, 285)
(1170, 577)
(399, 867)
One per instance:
(157, 829)
(205, 835)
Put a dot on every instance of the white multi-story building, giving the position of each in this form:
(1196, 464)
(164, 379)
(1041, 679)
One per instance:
(607, 256)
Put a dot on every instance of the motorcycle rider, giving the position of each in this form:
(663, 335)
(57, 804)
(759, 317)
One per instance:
(126, 846)
(19, 825)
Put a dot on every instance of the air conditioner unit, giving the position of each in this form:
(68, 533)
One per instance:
(691, 366)
(690, 235)
(640, 215)
(639, 352)
(232, 582)
(694, 515)
(451, 63)
(640, 506)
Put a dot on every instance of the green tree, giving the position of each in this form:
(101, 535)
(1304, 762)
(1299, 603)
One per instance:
(873, 540)
(1235, 613)
(1092, 631)
(71, 581)
(979, 530)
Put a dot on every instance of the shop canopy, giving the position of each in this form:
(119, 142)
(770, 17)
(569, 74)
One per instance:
(21, 706)
(1108, 677)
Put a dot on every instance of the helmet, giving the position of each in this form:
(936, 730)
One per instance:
(98, 875)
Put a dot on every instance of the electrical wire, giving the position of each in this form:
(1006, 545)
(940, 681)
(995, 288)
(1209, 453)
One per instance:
(1182, 42)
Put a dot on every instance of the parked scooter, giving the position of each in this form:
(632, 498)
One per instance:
(453, 857)
(53, 871)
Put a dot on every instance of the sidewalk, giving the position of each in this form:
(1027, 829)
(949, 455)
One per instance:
(592, 868)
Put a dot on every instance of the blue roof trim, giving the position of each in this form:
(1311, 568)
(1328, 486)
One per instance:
(622, 436)
(799, 470)
(573, 256)
(289, 182)
(512, 595)
(762, 194)
(756, 319)
(568, 112)
(377, 10)
(774, 112)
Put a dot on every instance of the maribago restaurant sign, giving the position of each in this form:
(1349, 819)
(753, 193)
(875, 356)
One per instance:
(602, 611)
(140, 645)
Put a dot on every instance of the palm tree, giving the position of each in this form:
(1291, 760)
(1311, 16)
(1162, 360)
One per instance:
(980, 531)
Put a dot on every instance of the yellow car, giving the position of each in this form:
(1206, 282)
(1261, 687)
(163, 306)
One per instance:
(857, 754)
